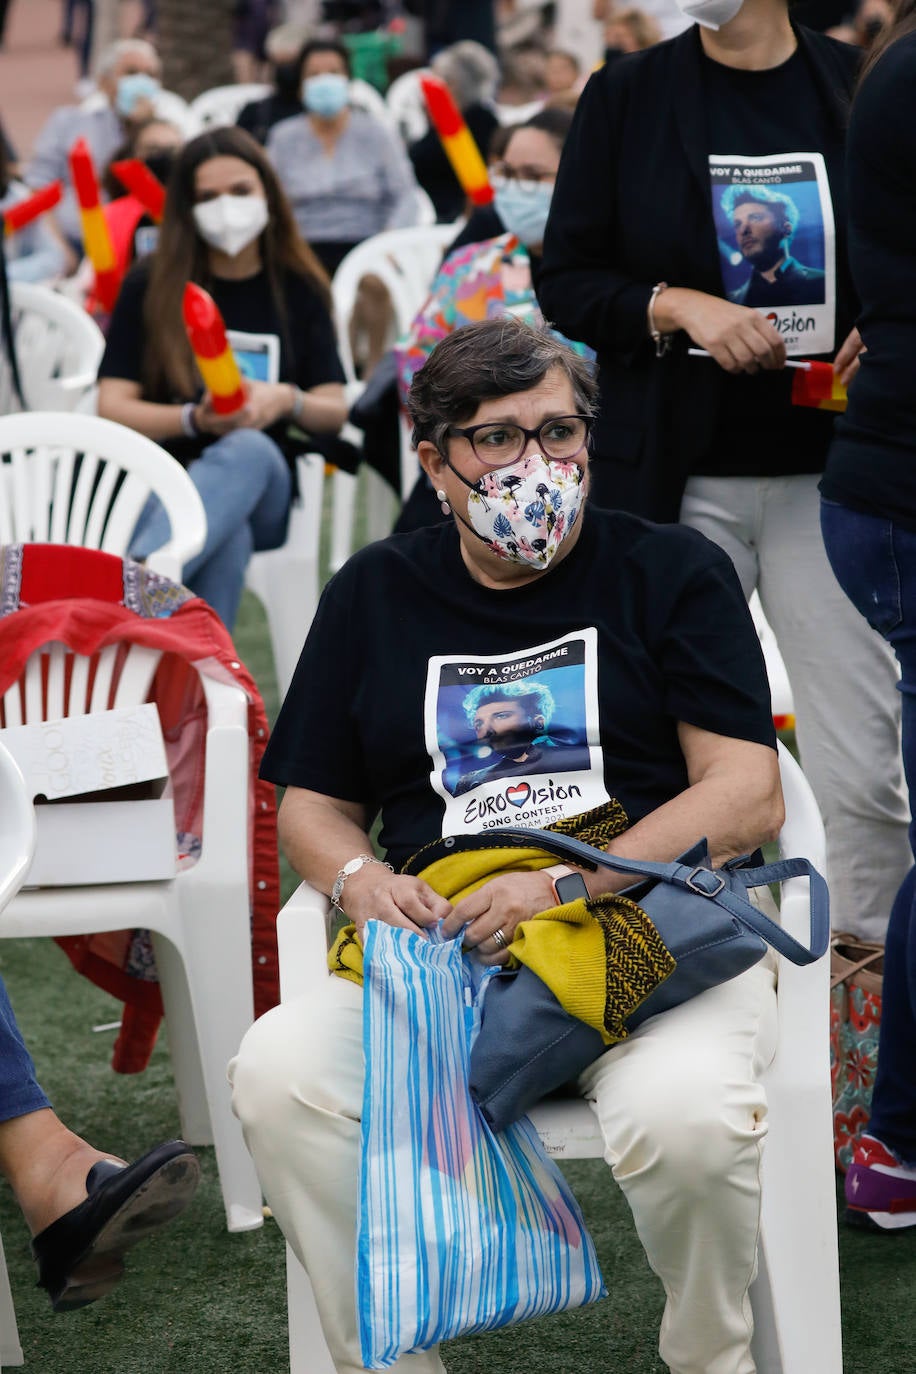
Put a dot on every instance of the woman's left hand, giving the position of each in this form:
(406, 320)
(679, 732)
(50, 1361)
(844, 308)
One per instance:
(267, 403)
(846, 362)
(500, 905)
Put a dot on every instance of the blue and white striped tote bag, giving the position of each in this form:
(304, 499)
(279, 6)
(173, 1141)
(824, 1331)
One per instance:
(459, 1230)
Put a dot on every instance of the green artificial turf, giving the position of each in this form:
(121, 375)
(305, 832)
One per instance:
(198, 1300)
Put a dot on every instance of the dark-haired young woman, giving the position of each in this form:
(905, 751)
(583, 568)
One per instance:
(868, 518)
(228, 227)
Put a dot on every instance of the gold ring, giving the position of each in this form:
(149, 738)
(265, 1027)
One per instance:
(499, 940)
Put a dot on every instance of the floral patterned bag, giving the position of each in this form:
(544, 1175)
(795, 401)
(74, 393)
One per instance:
(856, 976)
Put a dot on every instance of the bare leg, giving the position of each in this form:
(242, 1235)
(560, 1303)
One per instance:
(46, 1165)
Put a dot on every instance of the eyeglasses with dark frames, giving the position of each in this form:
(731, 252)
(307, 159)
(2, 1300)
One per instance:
(496, 444)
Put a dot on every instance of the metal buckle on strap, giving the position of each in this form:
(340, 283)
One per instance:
(699, 888)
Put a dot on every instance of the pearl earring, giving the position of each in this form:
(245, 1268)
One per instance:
(442, 498)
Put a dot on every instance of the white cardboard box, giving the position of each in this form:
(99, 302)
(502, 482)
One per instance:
(110, 766)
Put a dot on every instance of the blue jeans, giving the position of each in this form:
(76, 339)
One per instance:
(875, 563)
(19, 1090)
(245, 484)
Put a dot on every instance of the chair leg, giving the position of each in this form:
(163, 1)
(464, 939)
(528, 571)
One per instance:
(796, 1296)
(207, 1013)
(308, 1351)
(10, 1347)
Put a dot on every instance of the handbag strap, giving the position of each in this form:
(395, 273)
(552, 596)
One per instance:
(706, 882)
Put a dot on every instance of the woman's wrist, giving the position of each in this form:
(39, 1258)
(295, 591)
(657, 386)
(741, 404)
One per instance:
(296, 403)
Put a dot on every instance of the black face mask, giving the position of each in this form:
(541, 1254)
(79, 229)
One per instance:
(286, 79)
(160, 164)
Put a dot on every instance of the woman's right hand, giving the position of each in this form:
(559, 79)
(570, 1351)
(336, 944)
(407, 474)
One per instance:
(209, 422)
(373, 892)
(739, 339)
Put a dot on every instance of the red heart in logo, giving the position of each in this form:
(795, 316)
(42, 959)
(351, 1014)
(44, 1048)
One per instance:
(518, 794)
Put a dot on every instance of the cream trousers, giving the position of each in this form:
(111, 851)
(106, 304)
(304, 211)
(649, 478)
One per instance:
(843, 678)
(683, 1116)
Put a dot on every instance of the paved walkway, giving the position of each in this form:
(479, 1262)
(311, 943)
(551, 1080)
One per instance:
(36, 73)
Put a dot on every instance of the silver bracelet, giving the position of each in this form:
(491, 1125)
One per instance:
(188, 424)
(298, 403)
(662, 341)
(350, 867)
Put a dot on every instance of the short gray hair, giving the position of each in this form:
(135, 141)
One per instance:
(471, 71)
(124, 47)
(481, 362)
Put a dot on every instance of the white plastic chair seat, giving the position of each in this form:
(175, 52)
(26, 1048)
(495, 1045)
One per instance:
(796, 1298)
(200, 918)
(79, 479)
(58, 348)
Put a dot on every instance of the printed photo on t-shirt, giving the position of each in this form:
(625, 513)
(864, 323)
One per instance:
(258, 355)
(775, 228)
(514, 740)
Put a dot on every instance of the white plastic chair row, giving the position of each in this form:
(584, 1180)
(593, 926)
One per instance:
(223, 104)
(796, 1296)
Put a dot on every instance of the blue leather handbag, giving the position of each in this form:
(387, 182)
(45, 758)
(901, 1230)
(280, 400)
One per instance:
(529, 1046)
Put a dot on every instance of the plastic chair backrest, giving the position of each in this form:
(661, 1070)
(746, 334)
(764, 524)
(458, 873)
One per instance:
(58, 348)
(79, 479)
(406, 260)
(56, 683)
(404, 98)
(223, 104)
(363, 96)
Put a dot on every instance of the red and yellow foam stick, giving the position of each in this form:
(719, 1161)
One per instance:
(142, 184)
(214, 357)
(457, 140)
(816, 384)
(25, 211)
(96, 238)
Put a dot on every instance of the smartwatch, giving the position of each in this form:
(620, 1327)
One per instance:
(568, 884)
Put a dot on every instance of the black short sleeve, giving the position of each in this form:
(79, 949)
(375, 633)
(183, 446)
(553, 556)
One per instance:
(123, 356)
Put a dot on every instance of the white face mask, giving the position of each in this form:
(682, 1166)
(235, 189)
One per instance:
(523, 512)
(712, 14)
(229, 223)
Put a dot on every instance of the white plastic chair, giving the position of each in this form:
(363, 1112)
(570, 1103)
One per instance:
(17, 844)
(287, 580)
(796, 1296)
(404, 98)
(79, 479)
(406, 260)
(199, 918)
(58, 348)
(364, 96)
(780, 687)
(223, 104)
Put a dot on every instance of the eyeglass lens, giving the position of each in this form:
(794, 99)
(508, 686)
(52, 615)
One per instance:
(562, 437)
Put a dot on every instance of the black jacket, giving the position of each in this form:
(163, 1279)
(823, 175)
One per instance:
(631, 208)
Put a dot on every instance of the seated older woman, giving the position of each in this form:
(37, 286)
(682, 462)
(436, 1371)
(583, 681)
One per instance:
(444, 669)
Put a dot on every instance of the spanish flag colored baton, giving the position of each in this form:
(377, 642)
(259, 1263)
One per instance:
(215, 359)
(96, 238)
(25, 211)
(457, 140)
(137, 178)
(814, 384)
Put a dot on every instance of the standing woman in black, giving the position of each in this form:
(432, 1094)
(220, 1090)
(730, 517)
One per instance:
(868, 516)
(700, 205)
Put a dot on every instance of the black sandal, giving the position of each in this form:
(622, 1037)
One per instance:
(80, 1256)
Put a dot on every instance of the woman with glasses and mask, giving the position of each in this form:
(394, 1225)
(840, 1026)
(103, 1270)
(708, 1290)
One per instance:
(528, 622)
(484, 280)
(228, 227)
(698, 242)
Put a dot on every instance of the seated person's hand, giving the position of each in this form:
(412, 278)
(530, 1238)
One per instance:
(374, 893)
(267, 402)
(209, 422)
(500, 905)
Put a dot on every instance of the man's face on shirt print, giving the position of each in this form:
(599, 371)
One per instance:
(760, 231)
(507, 727)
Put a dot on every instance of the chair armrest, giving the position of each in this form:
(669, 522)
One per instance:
(303, 930)
(224, 857)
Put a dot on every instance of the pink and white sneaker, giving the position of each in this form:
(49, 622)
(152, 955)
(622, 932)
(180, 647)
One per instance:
(880, 1188)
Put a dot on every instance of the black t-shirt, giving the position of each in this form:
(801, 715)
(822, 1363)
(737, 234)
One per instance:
(761, 115)
(454, 708)
(872, 463)
(307, 347)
